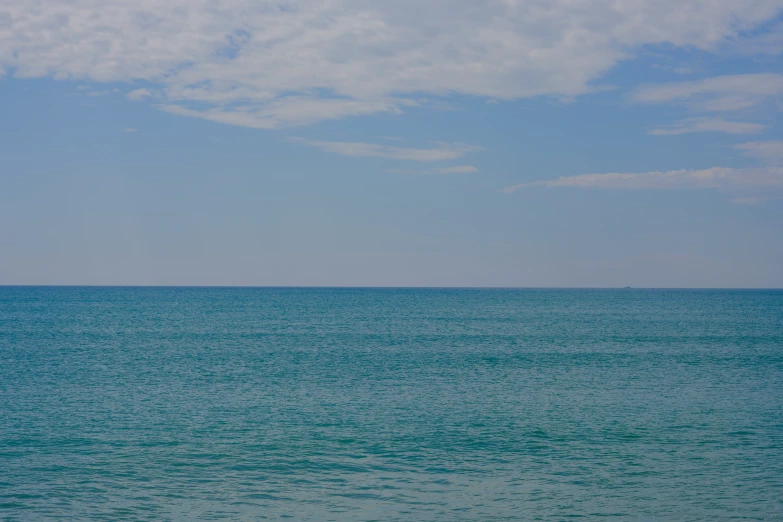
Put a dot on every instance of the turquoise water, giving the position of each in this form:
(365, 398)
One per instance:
(380, 404)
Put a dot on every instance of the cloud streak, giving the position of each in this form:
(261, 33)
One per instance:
(713, 178)
(692, 125)
(767, 151)
(290, 110)
(456, 169)
(717, 94)
(441, 151)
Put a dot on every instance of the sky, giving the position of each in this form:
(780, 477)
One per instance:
(543, 143)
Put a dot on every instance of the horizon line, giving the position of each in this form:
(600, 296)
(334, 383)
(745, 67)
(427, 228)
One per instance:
(359, 287)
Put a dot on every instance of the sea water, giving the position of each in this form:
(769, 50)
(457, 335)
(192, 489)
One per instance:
(390, 404)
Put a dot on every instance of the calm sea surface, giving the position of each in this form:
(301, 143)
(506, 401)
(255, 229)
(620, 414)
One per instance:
(381, 404)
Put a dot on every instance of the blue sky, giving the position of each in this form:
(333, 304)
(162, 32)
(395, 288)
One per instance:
(447, 143)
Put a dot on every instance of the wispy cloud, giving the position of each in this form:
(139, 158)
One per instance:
(692, 125)
(676, 70)
(291, 110)
(130, 129)
(717, 94)
(753, 200)
(440, 151)
(712, 178)
(457, 169)
(268, 64)
(767, 151)
(139, 94)
(769, 42)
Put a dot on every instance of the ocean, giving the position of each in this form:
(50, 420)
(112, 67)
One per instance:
(390, 404)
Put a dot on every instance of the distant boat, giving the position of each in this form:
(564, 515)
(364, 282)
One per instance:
(627, 287)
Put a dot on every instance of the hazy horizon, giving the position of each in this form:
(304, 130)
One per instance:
(346, 287)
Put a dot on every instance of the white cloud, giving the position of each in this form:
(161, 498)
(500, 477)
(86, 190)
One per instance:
(768, 151)
(712, 178)
(139, 94)
(676, 70)
(268, 63)
(691, 125)
(717, 94)
(769, 42)
(290, 110)
(457, 169)
(439, 152)
(130, 129)
(752, 200)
